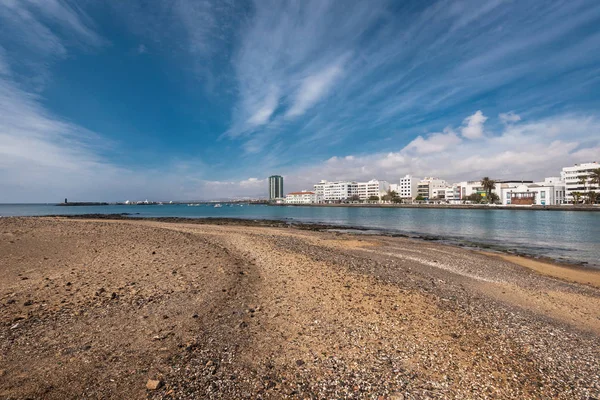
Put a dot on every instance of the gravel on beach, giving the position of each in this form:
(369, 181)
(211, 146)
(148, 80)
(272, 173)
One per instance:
(174, 310)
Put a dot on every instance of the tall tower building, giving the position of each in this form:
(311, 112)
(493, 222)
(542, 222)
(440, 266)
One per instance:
(275, 187)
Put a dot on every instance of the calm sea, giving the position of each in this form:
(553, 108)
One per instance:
(569, 236)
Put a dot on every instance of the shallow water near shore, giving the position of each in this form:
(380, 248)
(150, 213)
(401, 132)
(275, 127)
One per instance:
(566, 236)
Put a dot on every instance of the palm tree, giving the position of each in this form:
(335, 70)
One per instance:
(595, 176)
(488, 185)
(592, 197)
(576, 196)
(595, 179)
(583, 180)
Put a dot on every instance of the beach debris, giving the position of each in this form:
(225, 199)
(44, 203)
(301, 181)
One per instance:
(153, 384)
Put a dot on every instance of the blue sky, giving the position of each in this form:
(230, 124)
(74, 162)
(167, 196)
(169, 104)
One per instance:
(185, 99)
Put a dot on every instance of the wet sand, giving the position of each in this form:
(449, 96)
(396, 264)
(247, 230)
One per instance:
(96, 308)
(569, 273)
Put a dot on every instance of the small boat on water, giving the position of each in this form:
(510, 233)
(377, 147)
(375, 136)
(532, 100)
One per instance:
(218, 206)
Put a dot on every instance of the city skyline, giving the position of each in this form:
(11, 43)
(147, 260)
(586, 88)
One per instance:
(189, 100)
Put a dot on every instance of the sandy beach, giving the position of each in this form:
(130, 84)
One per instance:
(103, 308)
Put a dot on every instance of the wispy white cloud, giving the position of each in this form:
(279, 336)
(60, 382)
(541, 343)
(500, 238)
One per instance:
(281, 45)
(313, 88)
(265, 108)
(33, 17)
(71, 17)
(4, 67)
(36, 33)
(509, 117)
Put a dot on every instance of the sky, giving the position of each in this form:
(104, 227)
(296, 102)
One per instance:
(189, 100)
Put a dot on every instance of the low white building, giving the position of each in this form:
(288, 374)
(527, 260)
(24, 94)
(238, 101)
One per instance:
(303, 197)
(572, 177)
(408, 187)
(546, 193)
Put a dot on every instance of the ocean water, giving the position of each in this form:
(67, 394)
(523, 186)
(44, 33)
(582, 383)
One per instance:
(568, 236)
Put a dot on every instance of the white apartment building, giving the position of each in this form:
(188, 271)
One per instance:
(468, 188)
(408, 187)
(373, 187)
(335, 191)
(431, 188)
(344, 190)
(572, 177)
(320, 188)
(303, 197)
(452, 194)
(546, 193)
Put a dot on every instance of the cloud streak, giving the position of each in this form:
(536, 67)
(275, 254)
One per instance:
(313, 88)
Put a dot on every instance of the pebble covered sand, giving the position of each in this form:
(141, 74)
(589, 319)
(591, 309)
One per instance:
(149, 309)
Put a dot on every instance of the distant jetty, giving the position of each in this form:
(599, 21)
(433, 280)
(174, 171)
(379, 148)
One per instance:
(82, 203)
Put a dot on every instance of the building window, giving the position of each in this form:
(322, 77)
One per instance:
(543, 195)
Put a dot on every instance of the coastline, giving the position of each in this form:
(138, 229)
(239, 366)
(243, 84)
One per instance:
(567, 207)
(230, 310)
(453, 206)
(493, 249)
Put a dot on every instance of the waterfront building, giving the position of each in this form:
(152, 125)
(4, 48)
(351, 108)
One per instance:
(431, 188)
(408, 187)
(319, 189)
(546, 193)
(452, 194)
(336, 191)
(423, 189)
(374, 187)
(573, 176)
(467, 188)
(275, 187)
(344, 190)
(303, 197)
